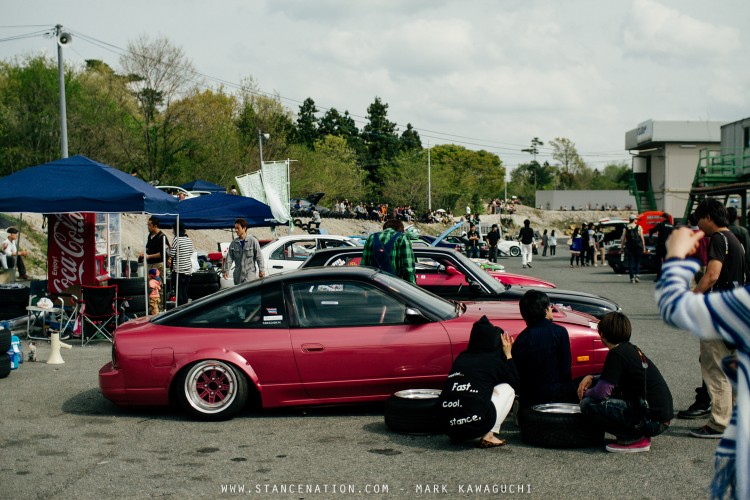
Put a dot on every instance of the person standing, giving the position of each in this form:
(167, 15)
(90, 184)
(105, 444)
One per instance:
(575, 247)
(631, 399)
(390, 250)
(244, 252)
(154, 291)
(472, 248)
(155, 245)
(601, 252)
(585, 244)
(742, 234)
(12, 255)
(725, 271)
(552, 243)
(480, 388)
(545, 243)
(315, 219)
(526, 237)
(721, 316)
(492, 238)
(662, 230)
(633, 244)
(180, 257)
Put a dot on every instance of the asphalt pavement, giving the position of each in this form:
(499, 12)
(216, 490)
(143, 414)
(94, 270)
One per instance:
(59, 438)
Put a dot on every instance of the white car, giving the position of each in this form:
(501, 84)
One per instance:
(177, 190)
(289, 252)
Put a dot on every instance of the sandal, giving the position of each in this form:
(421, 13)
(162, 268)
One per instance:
(486, 443)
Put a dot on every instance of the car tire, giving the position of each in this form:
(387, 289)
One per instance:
(13, 312)
(4, 365)
(136, 305)
(129, 287)
(413, 411)
(514, 251)
(298, 222)
(558, 425)
(202, 383)
(5, 340)
(313, 230)
(304, 227)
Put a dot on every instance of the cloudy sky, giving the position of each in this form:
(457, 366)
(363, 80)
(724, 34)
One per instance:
(486, 74)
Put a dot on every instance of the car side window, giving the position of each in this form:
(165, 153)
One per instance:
(258, 308)
(324, 304)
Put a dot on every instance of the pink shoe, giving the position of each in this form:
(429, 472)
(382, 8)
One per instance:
(643, 444)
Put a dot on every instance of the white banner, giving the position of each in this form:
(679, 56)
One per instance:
(275, 182)
(251, 185)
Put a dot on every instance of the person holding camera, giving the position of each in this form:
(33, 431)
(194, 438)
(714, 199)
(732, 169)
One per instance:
(630, 399)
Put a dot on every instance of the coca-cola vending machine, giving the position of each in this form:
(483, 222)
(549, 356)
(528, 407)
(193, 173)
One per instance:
(82, 249)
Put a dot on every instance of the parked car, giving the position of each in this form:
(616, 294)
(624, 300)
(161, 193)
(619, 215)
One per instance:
(177, 190)
(289, 252)
(307, 205)
(612, 228)
(452, 275)
(313, 337)
(452, 244)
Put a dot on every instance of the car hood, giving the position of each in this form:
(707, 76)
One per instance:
(558, 295)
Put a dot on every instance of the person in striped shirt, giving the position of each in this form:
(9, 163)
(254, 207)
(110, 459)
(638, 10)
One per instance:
(180, 263)
(722, 315)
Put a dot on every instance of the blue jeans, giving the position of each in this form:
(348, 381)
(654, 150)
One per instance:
(620, 419)
(634, 263)
(473, 252)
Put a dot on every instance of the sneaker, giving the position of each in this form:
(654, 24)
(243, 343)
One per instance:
(637, 279)
(695, 410)
(632, 280)
(529, 264)
(643, 444)
(706, 432)
(524, 267)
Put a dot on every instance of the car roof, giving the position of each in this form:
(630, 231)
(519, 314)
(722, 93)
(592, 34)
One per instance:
(300, 237)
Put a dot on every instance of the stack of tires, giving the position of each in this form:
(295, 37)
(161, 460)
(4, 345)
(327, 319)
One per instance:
(13, 300)
(133, 289)
(203, 283)
(558, 425)
(413, 411)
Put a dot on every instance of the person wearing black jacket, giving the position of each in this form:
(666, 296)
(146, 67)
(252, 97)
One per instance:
(631, 399)
(542, 354)
(492, 239)
(480, 388)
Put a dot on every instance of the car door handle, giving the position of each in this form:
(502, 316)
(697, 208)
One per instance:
(312, 347)
(278, 267)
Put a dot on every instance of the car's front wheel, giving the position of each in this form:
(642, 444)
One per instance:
(413, 411)
(515, 251)
(212, 390)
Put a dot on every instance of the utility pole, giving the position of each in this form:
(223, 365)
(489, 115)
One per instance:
(62, 38)
(429, 179)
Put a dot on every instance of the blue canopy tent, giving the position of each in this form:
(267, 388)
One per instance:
(219, 211)
(79, 184)
(201, 185)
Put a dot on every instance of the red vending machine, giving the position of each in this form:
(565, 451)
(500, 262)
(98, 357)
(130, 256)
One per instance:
(81, 249)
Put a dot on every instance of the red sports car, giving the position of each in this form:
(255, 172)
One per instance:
(310, 337)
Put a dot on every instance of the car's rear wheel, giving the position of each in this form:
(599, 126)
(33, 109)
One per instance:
(4, 365)
(212, 390)
(514, 251)
(413, 411)
(558, 425)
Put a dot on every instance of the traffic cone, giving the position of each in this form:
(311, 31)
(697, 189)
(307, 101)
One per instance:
(54, 357)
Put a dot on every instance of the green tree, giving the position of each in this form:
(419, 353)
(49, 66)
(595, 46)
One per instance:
(405, 181)
(458, 173)
(330, 167)
(564, 151)
(410, 139)
(306, 131)
(380, 140)
(160, 74)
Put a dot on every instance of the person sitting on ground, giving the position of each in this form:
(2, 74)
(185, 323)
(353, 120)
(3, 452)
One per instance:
(542, 354)
(390, 251)
(12, 257)
(630, 399)
(481, 386)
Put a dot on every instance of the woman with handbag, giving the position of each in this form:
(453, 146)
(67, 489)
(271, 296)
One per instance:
(631, 399)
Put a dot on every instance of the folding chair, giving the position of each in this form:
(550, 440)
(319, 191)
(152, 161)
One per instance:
(98, 313)
(60, 317)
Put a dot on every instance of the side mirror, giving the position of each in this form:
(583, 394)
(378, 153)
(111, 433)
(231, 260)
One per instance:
(415, 316)
(452, 270)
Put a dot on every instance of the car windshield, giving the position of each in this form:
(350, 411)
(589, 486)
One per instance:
(443, 309)
(462, 262)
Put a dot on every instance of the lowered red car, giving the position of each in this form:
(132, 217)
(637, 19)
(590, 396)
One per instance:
(309, 337)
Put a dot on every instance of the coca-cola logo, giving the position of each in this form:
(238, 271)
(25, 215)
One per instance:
(68, 236)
